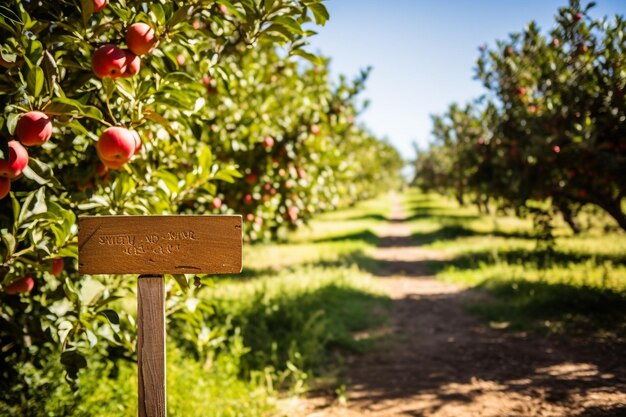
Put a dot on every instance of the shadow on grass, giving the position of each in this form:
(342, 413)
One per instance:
(376, 217)
(366, 236)
(551, 307)
(453, 232)
(528, 258)
(428, 210)
(304, 328)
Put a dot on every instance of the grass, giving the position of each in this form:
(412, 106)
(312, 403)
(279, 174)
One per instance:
(579, 286)
(242, 342)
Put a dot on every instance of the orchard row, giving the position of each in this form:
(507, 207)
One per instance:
(549, 135)
(158, 107)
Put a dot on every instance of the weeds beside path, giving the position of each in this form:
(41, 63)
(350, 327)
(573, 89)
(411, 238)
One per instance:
(436, 360)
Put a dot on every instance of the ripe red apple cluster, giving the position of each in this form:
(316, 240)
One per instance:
(112, 61)
(116, 146)
(26, 284)
(32, 129)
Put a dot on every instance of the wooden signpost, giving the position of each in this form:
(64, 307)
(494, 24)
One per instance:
(152, 246)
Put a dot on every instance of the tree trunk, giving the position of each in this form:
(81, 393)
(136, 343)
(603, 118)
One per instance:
(614, 209)
(571, 222)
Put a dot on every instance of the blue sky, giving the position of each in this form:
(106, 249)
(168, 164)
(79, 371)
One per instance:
(423, 53)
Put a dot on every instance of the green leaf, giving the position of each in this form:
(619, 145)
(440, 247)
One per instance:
(34, 81)
(69, 251)
(180, 15)
(11, 122)
(91, 337)
(155, 117)
(308, 56)
(182, 282)
(110, 315)
(41, 173)
(62, 106)
(73, 362)
(50, 69)
(320, 13)
(70, 291)
(86, 10)
(10, 15)
(232, 9)
(158, 12)
(227, 174)
(9, 242)
(289, 23)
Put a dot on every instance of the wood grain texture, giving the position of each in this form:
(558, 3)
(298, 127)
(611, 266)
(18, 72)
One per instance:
(151, 345)
(159, 244)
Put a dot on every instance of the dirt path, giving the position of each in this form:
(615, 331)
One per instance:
(438, 361)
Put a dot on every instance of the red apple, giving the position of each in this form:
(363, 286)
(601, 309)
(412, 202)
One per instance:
(57, 266)
(140, 38)
(20, 286)
(556, 148)
(133, 63)
(250, 217)
(108, 60)
(521, 91)
(209, 83)
(7, 64)
(217, 202)
(247, 198)
(84, 187)
(116, 146)
(5, 187)
(578, 17)
(16, 162)
(268, 141)
(34, 128)
(252, 178)
(99, 5)
(114, 165)
(292, 213)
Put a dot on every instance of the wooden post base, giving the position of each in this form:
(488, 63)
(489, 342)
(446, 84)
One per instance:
(151, 345)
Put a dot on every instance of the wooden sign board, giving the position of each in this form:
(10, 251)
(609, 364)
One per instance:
(187, 244)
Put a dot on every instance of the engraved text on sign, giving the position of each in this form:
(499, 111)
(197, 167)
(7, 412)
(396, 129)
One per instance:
(160, 244)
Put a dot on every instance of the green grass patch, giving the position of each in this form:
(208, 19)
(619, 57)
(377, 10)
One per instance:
(578, 286)
(241, 342)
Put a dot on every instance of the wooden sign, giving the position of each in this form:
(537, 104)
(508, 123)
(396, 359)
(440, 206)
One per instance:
(153, 246)
(159, 244)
